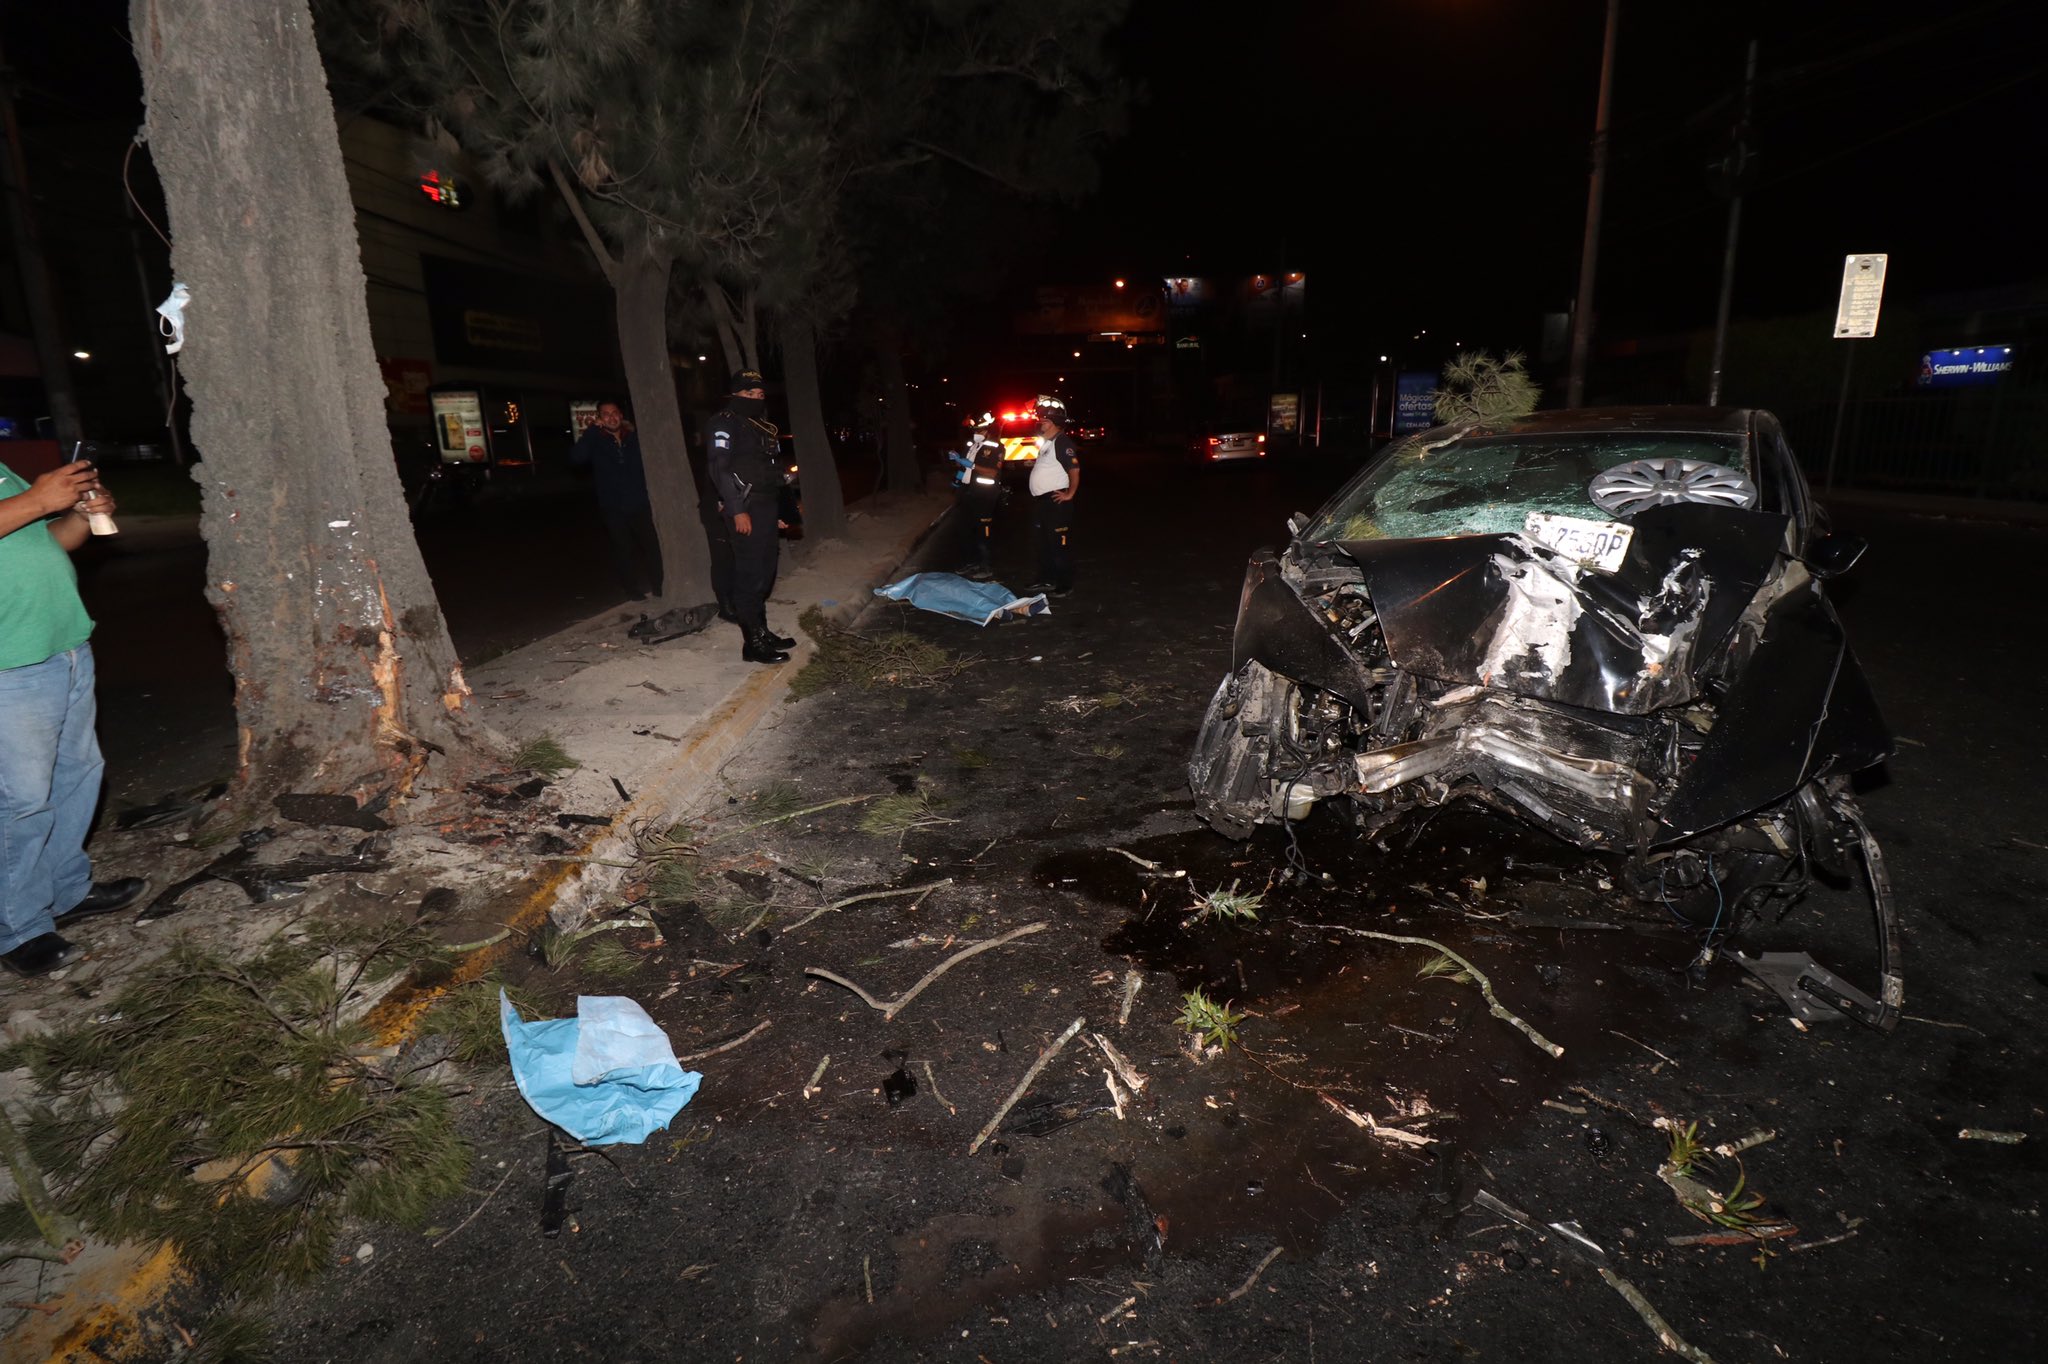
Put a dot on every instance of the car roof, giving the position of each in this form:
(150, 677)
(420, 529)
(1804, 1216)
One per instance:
(1732, 421)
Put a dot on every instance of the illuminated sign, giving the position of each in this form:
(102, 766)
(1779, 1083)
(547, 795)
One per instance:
(1415, 401)
(1962, 366)
(441, 189)
(459, 426)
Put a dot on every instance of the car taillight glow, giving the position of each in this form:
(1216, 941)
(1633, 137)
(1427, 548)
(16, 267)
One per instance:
(1215, 440)
(1262, 440)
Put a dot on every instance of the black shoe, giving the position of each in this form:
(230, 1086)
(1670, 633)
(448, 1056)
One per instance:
(40, 955)
(1060, 591)
(1037, 589)
(758, 649)
(107, 897)
(779, 641)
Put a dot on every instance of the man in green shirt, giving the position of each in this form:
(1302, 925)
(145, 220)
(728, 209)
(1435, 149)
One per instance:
(49, 756)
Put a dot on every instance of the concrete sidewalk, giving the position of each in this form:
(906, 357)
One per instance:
(658, 721)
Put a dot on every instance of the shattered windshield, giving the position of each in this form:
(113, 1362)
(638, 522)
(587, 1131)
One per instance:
(1441, 484)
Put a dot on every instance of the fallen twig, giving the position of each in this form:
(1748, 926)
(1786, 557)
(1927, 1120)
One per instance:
(1576, 1110)
(1044, 1059)
(1774, 1232)
(1987, 1134)
(1147, 863)
(479, 1207)
(780, 819)
(1737, 1147)
(1493, 1004)
(919, 891)
(933, 1081)
(1646, 1047)
(1246, 1286)
(746, 1036)
(890, 1008)
(1380, 1130)
(1126, 1305)
(481, 943)
(817, 1075)
(1666, 1337)
(1855, 1226)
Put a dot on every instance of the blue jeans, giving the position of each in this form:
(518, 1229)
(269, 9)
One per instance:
(49, 786)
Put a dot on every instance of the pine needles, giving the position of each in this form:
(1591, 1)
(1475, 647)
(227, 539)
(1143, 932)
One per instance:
(895, 816)
(1479, 388)
(896, 658)
(1238, 906)
(238, 1109)
(544, 755)
(1209, 1023)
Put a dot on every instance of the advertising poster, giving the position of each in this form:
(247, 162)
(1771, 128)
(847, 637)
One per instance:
(1284, 416)
(1414, 402)
(459, 427)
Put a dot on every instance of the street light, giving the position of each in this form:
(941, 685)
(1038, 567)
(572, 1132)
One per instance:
(1119, 284)
(81, 355)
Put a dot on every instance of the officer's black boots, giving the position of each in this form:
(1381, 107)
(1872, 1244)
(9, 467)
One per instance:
(779, 641)
(761, 648)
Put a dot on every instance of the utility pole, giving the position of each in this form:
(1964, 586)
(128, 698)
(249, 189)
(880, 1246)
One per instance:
(1737, 168)
(1589, 253)
(51, 355)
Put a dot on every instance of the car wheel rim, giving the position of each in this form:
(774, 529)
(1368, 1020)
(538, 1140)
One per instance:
(1644, 483)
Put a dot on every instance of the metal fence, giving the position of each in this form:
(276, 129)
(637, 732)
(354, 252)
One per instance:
(1987, 442)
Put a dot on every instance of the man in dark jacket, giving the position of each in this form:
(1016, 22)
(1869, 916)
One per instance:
(612, 450)
(746, 474)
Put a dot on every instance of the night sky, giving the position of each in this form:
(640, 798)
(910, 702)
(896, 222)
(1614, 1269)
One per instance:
(1425, 160)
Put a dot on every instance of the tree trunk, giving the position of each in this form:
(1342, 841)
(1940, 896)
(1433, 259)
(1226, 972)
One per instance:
(900, 471)
(824, 504)
(345, 679)
(722, 323)
(641, 283)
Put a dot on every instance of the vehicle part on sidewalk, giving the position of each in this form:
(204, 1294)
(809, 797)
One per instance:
(1608, 624)
(1571, 1234)
(977, 603)
(1813, 993)
(607, 1075)
(673, 624)
(1045, 1056)
(1493, 1004)
(890, 1008)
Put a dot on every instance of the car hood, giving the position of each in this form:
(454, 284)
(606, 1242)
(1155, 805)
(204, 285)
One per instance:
(1502, 611)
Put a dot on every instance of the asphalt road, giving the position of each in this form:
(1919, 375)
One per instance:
(776, 1222)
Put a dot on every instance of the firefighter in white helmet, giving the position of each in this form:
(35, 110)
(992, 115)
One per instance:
(1055, 478)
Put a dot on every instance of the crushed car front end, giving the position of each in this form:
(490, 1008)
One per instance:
(1596, 623)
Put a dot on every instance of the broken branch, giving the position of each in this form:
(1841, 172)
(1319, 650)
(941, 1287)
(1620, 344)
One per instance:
(479, 1207)
(919, 891)
(1044, 1059)
(746, 1036)
(1666, 1337)
(1365, 1121)
(1493, 1004)
(891, 1008)
(1246, 1286)
(780, 819)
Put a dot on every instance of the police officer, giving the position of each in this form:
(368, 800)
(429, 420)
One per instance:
(980, 494)
(746, 474)
(1055, 478)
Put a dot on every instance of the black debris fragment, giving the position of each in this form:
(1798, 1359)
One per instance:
(683, 620)
(901, 1084)
(304, 807)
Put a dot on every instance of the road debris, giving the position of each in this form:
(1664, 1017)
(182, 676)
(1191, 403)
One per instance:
(890, 1008)
(1155, 868)
(1377, 1129)
(933, 1081)
(919, 891)
(749, 1035)
(1576, 1110)
(817, 1075)
(1493, 1004)
(1666, 1337)
(1234, 1294)
(607, 1075)
(1646, 1047)
(1133, 1079)
(1044, 1059)
(510, 1166)
(1737, 1147)
(1133, 982)
(1988, 1134)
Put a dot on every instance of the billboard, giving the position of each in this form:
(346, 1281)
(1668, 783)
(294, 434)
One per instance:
(1965, 366)
(459, 432)
(487, 318)
(1414, 401)
(1094, 310)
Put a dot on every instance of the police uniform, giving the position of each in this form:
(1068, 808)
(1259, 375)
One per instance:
(981, 494)
(746, 476)
(1059, 459)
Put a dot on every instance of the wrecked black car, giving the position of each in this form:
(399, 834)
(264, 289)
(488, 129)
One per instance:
(1607, 623)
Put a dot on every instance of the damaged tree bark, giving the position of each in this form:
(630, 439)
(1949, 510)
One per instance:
(345, 677)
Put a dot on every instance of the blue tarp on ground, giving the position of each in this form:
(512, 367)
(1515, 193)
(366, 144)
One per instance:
(607, 1075)
(949, 594)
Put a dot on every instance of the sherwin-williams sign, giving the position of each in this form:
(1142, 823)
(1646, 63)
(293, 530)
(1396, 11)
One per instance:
(1963, 366)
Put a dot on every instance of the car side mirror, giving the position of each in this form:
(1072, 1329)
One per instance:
(1296, 524)
(1835, 554)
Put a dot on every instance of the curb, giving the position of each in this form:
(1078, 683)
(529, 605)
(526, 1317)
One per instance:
(134, 1320)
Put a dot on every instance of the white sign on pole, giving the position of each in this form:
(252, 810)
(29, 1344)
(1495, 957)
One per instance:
(1862, 292)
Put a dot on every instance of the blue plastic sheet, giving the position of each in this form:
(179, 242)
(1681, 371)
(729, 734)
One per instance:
(949, 594)
(606, 1076)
